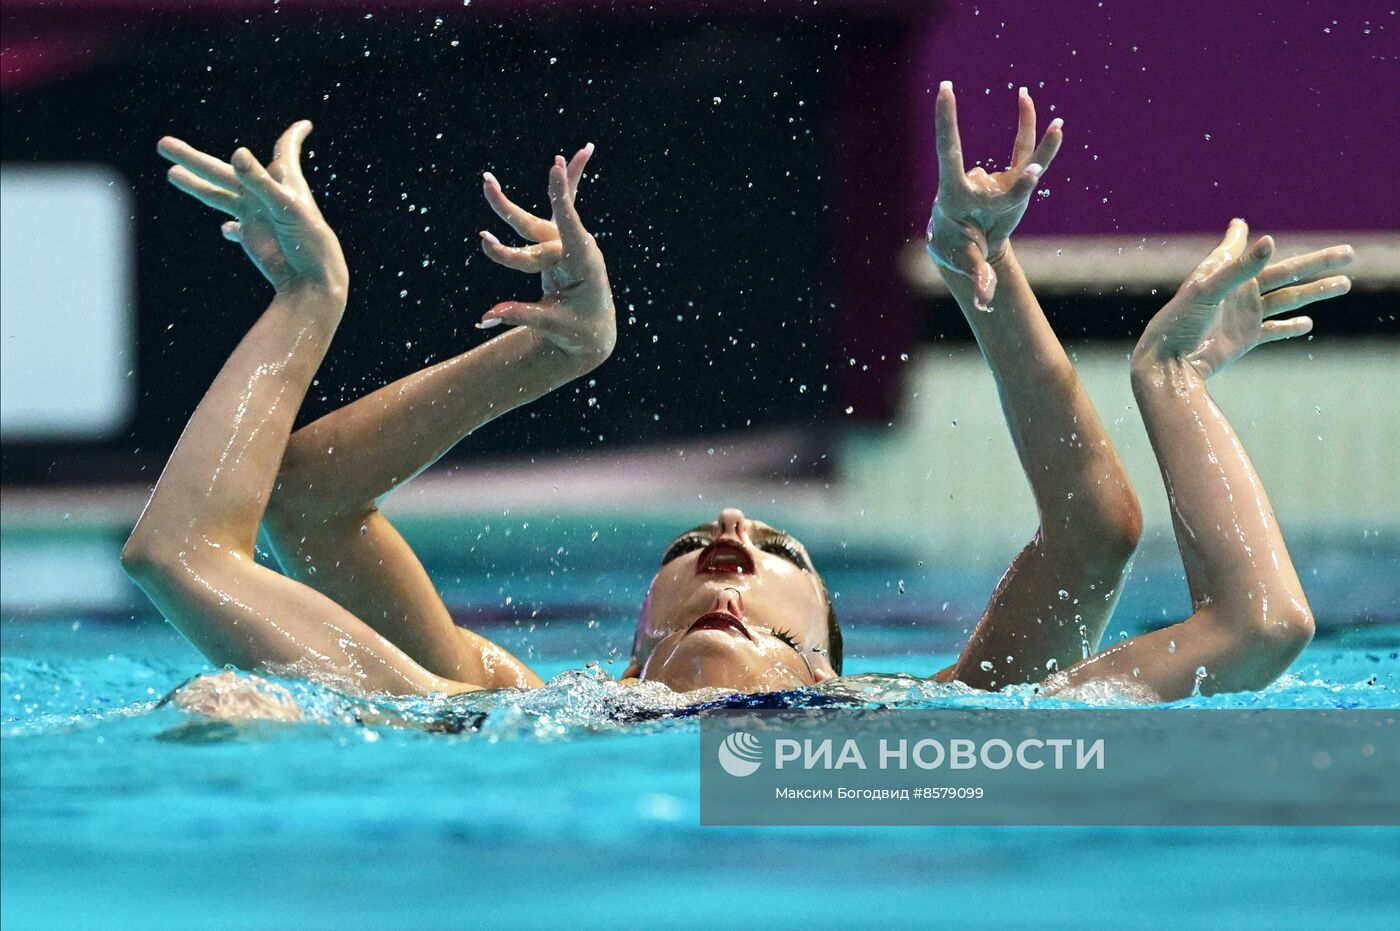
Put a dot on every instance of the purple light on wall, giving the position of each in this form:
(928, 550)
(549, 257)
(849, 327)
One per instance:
(1177, 116)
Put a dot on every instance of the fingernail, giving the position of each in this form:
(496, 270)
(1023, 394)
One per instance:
(1034, 169)
(1023, 92)
(1057, 123)
(488, 323)
(946, 86)
(487, 176)
(490, 237)
(588, 147)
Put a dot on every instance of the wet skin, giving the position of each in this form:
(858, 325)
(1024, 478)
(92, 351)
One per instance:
(735, 604)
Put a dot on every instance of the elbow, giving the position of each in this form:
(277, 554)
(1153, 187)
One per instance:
(1255, 638)
(1120, 530)
(1285, 632)
(1268, 636)
(1108, 530)
(1117, 519)
(143, 558)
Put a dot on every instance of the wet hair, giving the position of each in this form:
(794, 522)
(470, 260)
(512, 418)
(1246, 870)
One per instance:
(834, 646)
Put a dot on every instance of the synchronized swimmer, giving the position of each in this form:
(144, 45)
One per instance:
(735, 604)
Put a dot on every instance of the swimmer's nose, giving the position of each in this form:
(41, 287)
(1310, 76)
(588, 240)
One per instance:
(730, 601)
(733, 525)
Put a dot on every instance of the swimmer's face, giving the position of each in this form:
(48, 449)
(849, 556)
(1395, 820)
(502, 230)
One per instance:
(736, 604)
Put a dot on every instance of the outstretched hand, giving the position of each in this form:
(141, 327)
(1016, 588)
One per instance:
(975, 212)
(275, 218)
(1223, 309)
(575, 312)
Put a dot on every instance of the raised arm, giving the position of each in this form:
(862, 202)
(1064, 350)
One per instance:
(350, 458)
(324, 522)
(1251, 617)
(192, 550)
(1050, 608)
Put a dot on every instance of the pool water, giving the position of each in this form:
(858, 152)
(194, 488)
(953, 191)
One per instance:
(118, 814)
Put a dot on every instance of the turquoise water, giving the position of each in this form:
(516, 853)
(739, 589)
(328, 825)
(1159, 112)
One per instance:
(117, 814)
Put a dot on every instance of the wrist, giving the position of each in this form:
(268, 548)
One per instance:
(1154, 351)
(589, 358)
(1150, 357)
(1153, 371)
(572, 359)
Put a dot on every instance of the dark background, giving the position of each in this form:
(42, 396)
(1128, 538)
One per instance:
(710, 214)
(750, 241)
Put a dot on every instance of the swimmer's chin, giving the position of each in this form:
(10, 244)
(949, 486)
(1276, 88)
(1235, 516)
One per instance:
(716, 659)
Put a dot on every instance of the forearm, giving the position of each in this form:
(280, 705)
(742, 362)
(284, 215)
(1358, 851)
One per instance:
(1014, 335)
(1225, 526)
(219, 477)
(1077, 479)
(343, 462)
(1250, 617)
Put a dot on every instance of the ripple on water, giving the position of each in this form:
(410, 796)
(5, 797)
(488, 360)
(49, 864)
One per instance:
(56, 696)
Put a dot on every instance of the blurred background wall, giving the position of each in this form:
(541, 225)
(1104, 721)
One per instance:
(763, 177)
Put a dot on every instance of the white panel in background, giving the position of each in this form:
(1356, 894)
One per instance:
(66, 322)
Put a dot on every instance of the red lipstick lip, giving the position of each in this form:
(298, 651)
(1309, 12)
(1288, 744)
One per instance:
(720, 620)
(725, 557)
